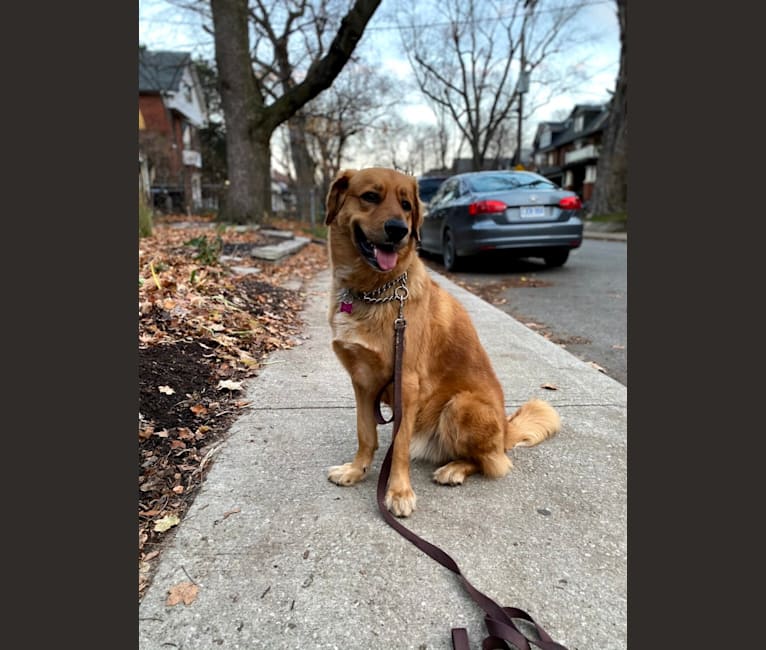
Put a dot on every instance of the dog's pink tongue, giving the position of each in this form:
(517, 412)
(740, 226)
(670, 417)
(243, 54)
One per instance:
(385, 260)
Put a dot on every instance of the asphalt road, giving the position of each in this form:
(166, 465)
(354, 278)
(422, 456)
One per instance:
(581, 306)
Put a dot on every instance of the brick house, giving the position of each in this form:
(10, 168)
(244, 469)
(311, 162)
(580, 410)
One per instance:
(172, 106)
(567, 152)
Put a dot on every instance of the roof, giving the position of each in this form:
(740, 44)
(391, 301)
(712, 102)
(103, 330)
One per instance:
(596, 117)
(161, 71)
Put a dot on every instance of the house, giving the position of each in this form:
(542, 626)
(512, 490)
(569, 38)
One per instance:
(172, 108)
(567, 152)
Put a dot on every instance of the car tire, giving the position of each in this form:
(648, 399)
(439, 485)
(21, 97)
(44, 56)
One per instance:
(557, 257)
(449, 254)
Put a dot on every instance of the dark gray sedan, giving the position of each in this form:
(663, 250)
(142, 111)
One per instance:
(518, 212)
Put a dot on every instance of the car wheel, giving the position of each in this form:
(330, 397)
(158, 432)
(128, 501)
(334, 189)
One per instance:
(449, 255)
(557, 257)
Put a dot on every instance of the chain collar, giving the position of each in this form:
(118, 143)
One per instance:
(396, 290)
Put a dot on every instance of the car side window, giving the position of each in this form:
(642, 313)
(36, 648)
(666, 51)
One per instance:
(450, 191)
(439, 196)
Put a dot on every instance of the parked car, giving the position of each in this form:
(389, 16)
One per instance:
(428, 185)
(518, 212)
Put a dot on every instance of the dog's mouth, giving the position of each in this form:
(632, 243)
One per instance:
(382, 257)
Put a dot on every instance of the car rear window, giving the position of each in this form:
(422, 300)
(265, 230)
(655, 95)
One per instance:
(510, 181)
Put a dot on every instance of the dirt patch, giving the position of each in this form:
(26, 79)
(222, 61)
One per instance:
(203, 330)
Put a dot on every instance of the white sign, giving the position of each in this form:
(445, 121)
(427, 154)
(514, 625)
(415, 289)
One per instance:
(192, 158)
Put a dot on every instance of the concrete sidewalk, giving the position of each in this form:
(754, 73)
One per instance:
(285, 559)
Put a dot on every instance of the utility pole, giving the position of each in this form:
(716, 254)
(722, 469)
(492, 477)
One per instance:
(523, 85)
(522, 80)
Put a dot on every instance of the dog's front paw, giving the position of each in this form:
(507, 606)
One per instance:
(345, 474)
(401, 502)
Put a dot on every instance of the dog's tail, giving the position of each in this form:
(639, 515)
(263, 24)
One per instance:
(533, 422)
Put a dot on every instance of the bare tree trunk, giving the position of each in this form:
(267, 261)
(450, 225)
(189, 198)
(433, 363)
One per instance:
(305, 167)
(249, 122)
(245, 156)
(610, 193)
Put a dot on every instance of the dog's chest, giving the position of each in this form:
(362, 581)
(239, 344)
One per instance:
(350, 332)
(360, 347)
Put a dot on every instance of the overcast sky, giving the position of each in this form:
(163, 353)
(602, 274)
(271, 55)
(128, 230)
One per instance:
(164, 26)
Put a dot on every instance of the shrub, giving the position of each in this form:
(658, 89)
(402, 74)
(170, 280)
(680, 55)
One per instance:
(145, 214)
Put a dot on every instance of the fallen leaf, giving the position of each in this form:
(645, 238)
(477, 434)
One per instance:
(231, 512)
(593, 364)
(165, 523)
(178, 489)
(618, 347)
(162, 434)
(184, 433)
(146, 433)
(166, 390)
(151, 556)
(242, 403)
(184, 592)
(549, 386)
(198, 410)
(229, 384)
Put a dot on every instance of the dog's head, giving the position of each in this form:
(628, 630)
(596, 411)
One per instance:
(378, 211)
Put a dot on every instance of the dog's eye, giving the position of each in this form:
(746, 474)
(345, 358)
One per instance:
(407, 205)
(371, 197)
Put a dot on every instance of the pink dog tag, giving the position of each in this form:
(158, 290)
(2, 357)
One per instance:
(346, 307)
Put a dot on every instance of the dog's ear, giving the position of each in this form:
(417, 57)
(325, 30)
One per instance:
(417, 212)
(337, 193)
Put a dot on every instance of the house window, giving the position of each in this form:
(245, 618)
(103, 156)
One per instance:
(545, 138)
(552, 158)
(579, 121)
(590, 174)
(568, 179)
(187, 136)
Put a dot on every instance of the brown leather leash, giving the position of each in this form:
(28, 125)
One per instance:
(499, 620)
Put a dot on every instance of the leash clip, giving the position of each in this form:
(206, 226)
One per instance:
(401, 293)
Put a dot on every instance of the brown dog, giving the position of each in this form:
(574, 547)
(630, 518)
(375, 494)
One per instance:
(452, 402)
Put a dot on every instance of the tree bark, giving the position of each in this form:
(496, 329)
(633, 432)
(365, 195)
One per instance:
(610, 193)
(248, 152)
(249, 122)
(305, 168)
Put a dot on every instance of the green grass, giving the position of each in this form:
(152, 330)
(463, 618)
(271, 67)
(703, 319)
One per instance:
(319, 231)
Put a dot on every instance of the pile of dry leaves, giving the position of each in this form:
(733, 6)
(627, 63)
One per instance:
(203, 329)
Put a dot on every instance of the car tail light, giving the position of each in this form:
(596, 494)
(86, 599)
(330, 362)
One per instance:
(486, 207)
(570, 203)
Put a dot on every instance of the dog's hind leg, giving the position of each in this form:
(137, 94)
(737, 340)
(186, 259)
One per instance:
(473, 429)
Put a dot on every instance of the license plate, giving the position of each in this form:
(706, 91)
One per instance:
(532, 211)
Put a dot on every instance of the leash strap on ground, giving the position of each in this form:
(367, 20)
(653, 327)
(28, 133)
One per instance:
(499, 620)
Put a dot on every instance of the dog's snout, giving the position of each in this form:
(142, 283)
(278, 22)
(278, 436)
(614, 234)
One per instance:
(396, 230)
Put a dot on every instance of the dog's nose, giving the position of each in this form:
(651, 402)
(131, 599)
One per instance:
(396, 230)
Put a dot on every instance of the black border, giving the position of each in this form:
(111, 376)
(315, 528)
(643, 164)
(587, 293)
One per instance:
(691, 340)
(70, 311)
